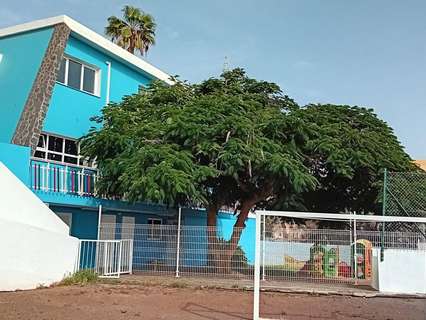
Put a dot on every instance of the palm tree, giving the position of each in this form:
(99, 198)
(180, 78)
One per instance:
(136, 31)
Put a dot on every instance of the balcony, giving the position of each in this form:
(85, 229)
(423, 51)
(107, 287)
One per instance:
(49, 176)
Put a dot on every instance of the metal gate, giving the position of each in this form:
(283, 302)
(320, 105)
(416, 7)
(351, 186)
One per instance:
(108, 258)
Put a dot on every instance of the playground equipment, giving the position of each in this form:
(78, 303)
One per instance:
(364, 252)
(331, 263)
(323, 262)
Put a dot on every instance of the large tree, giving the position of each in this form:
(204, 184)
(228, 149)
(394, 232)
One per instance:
(347, 151)
(228, 142)
(135, 31)
(240, 143)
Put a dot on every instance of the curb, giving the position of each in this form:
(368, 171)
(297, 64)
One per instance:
(342, 293)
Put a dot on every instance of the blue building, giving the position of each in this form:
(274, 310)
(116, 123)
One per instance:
(54, 75)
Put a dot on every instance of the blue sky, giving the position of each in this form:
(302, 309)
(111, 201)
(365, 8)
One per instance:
(365, 52)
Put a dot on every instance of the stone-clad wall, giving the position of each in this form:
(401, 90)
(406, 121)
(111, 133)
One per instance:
(30, 124)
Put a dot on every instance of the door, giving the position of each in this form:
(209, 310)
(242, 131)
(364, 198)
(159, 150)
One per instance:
(128, 228)
(108, 225)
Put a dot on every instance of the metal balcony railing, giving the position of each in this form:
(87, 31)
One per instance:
(61, 178)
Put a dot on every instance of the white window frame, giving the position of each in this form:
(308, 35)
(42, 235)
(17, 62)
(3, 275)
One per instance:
(46, 150)
(97, 84)
(152, 235)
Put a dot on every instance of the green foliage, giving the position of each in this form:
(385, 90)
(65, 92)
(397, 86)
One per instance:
(81, 277)
(238, 142)
(136, 31)
(222, 141)
(347, 151)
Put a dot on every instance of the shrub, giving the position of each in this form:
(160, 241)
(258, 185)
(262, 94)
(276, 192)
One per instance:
(81, 277)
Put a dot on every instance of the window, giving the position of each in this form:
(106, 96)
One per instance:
(89, 80)
(60, 149)
(74, 74)
(61, 74)
(78, 75)
(154, 229)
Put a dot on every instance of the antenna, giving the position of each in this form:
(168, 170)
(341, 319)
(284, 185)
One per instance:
(226, 64)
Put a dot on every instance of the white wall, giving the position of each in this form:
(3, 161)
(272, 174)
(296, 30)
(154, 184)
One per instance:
(19, 204)
(402, 271)
(35, 248)
(31, 257)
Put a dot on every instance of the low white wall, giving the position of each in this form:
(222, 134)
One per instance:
(35, 246)
(31, 257)
(402, 271)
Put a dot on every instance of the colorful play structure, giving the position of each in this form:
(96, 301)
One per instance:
(364, 257)
(326, 262)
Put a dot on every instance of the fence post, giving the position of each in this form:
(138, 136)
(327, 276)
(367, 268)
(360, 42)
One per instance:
(131, 257)
(178, 242)
(99, 221)
(355, 255)
(119, 257)
(106, 247)
(256, 298)
(263, 247)
(382, 238)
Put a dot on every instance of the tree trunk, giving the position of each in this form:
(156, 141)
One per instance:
(212, 241)
(131, 49)
(238, 228)
(132, 46)
(221, 251)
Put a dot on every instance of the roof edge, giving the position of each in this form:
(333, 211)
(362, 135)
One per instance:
(93, 37)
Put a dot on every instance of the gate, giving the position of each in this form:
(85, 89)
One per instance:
(107, 258)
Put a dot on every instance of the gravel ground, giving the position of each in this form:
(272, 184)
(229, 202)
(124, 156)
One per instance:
(177, 301)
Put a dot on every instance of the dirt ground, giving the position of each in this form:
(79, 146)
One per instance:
(121, 301)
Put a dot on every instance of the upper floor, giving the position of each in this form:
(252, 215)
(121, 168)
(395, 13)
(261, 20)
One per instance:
(65, 73)
(55, 74)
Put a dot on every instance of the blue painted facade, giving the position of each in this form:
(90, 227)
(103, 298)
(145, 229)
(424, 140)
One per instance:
(16, 158)
(18, 70)
(69, 189)
(77, 106)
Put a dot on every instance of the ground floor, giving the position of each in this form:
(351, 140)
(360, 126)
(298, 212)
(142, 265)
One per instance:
(158, 245)
(83, 221)
(177, 300)
(156, 234)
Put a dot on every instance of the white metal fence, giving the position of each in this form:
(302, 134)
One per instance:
(195, 250)
(304, 246)
(320, 255)
(328, 255)
(108, 258)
